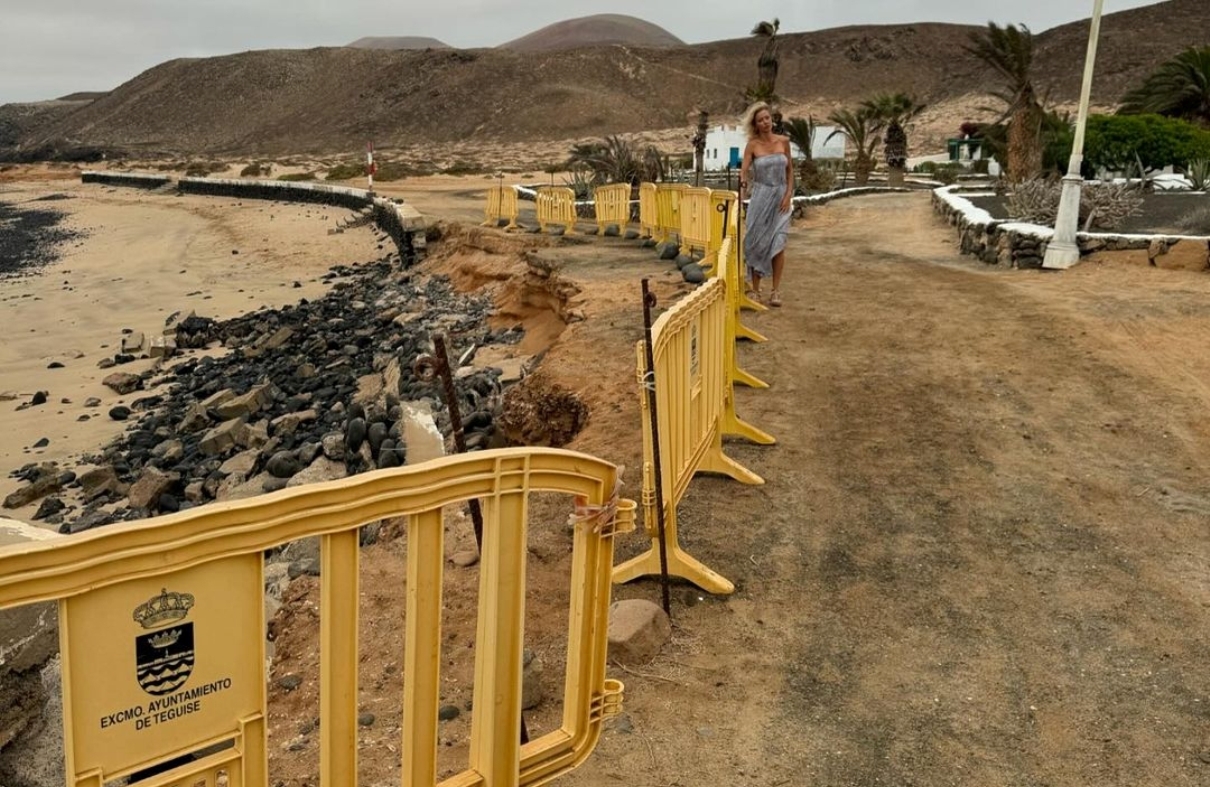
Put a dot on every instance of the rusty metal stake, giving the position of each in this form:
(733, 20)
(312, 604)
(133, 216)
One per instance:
(649, 385)
(426, 368)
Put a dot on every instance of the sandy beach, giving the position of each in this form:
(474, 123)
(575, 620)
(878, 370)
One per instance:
(139, 258)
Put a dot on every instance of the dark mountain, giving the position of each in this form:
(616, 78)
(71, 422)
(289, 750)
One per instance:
(276, 102)
(597, 30)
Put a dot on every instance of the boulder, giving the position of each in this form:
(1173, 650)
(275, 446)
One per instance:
(638, 629)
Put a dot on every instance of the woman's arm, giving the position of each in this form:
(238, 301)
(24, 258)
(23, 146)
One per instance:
(743, 170)
(788, 200)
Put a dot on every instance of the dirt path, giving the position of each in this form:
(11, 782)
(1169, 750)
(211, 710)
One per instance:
(980, 555)
(979, 558)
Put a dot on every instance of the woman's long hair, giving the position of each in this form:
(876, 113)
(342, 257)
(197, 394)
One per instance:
(750, 117)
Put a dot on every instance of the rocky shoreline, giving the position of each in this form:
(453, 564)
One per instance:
(314, 391)
(30, 237)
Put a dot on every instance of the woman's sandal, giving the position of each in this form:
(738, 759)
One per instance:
(775, 298)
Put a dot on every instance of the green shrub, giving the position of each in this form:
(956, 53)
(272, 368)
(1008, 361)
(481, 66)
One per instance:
(1114, 141)
(1198, 173)
(347, 171)
(255, 170)
(465, 168)
(200, 169)
(294, 177)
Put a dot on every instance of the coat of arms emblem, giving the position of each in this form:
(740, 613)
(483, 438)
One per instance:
(164, 655)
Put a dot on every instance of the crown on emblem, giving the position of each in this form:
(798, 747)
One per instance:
(166, 639)
(163, 608)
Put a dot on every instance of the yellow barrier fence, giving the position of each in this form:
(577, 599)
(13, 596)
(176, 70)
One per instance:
(162, 624)
(668, 208)
(649, 212)
(727, 267)
(744, 301)
(611, 205)
(694, 216)
(501, 204)
(695, 409)
(722, 219)
(557, 205)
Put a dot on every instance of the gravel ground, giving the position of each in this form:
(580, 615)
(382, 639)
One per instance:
(1162, 213)
(29, 237)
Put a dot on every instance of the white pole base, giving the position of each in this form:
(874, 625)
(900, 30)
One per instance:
(1063, 251)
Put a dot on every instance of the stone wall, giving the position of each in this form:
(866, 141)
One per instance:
(401, 222)
(1020, 245)
(29, 642)
(133, 179)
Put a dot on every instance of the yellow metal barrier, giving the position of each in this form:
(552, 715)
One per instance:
(722, 222)
(695, 409)
(668, 210)
(695, 220)
(733, 271)
(501, 204)
(649, 212)
(728, 268)
(557, 205)
(611, 205)
(162, 624)
(744, 301)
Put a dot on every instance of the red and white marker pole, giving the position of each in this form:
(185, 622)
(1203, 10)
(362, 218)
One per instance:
(370, 167)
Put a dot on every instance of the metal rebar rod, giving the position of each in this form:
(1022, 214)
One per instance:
(649, 387)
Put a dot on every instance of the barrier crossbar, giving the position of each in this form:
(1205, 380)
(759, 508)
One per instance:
(649, 215)
(556, 205)
(162, 624)
(693, 399)
(501, 204)
(611, 205)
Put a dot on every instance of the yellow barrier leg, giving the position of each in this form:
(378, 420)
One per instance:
(744, 378)
(744, 332)
(422, 647)
(680, 563)
(715, 461)
(496, 726)
(734, 426)
(254, 765)
(747, 303)
(339, 597)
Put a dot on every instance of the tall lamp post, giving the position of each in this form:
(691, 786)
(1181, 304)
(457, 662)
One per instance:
(1063, 251)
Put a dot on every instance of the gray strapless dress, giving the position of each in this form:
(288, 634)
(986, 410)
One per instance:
(766, 227)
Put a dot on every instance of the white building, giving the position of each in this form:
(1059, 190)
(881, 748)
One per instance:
(725, 146)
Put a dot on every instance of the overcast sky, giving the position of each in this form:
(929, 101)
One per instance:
(49, 48)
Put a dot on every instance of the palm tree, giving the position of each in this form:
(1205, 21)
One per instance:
(614, 160)
(862, 128)
(801, 132)
(766, 65)
(1178, 88)
(1010, 51)
(894, 109)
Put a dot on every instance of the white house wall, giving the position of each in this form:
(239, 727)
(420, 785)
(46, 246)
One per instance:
(725, 143)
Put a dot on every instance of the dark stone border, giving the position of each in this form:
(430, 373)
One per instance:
(406, 232)
(133, 179)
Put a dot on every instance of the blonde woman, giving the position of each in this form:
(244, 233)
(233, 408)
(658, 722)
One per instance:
(767, 182)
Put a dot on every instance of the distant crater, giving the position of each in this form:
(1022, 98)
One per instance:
(596, 30)
(398, 42)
